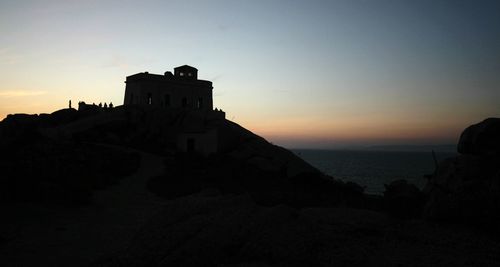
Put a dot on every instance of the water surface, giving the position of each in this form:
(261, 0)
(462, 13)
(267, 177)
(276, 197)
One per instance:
(373, 169)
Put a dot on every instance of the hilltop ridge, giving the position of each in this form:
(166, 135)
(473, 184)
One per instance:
(240, 164)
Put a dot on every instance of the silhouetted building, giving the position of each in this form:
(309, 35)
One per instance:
(182, 89)
(183, 94)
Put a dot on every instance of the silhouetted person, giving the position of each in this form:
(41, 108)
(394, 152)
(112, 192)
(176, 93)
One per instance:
(70, 103)
(110, 104)
(105, 105)
(100, 105)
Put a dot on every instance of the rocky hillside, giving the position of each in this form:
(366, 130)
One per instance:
(250, 204)
(210, 229)
(466, 188)
(245, 162)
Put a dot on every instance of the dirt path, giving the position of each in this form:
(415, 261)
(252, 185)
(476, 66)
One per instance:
(55, 236)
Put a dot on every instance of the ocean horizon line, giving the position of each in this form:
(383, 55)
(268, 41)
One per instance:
(449, 148)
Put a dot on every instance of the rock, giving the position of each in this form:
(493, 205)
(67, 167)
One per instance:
(63, 116)
(231, 230)
(403, 200)
(465, 188)
(355, 187)
(244, 162)
(19, 128)
(481, 139)
(264, 164)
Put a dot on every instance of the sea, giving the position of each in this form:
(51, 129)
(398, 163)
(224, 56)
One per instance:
(373, 169)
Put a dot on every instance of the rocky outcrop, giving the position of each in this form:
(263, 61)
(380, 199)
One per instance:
(257, 152)
(19, 128)
(466, 188)
(210, 229)
(63, 172)
(241, 233)
(245, 162)
(263, 177)
(54, 168)
(481, 139)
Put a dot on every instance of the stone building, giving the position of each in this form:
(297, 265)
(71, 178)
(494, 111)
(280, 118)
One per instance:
(182, 90)
(184, 95)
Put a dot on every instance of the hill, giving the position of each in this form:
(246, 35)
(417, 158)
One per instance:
(236, 160)
(145, 186)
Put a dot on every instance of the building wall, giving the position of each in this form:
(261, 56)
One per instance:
(205, 143)
(168, 91)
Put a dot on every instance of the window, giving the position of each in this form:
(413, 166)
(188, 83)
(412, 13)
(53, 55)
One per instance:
(181, 73)
(199, 103)
(150, 99)
(190, 74)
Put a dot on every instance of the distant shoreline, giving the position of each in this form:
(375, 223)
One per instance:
(387, 148)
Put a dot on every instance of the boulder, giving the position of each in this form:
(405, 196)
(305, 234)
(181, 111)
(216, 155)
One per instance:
(62, 116)
(19, 129)
(231, 230)
(481, 139)
(466, 188)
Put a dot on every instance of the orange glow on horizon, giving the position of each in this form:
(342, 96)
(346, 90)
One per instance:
(368, 131)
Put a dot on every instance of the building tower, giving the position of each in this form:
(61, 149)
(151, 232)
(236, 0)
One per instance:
(181, 90)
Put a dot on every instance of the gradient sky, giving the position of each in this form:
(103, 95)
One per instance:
(299, 73)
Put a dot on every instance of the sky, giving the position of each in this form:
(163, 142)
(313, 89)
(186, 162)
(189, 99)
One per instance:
(302, 74)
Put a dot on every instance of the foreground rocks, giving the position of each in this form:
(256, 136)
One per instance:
(35, 167)
(62, 172)
(210, 229)
(466, 188)
(403, 200)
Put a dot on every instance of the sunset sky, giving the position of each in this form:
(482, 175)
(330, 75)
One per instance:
(316, 74)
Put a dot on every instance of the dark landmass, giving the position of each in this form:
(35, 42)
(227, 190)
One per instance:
(114, 190)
